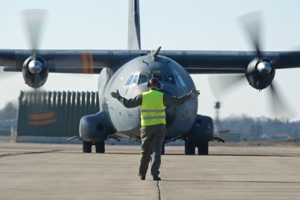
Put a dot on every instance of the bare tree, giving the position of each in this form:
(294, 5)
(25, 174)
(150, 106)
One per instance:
(256, 132)
(9, 111)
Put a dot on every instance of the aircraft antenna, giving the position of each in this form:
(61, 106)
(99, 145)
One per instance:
(154, 55)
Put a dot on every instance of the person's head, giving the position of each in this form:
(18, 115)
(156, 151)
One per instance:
(154, 83)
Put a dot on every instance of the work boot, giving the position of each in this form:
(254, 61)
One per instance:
(142, 177)
(156, 178)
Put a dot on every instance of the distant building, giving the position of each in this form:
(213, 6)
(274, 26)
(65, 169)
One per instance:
(8, 128)
(280, 136)
(230, 136)
(266, 137)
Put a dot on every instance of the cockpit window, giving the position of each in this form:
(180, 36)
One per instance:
(134, 82)
(179, 80)
(170, 79)
(142, 79)
(128, 82)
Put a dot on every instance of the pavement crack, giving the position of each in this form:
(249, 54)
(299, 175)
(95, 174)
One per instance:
(159, 197)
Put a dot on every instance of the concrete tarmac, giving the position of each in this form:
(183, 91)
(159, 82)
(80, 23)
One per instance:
(51, 171)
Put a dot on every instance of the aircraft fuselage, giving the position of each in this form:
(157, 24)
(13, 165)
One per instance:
(131, 79)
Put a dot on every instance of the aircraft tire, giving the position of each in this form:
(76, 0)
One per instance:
(189, 148)
(203, 148)
(100, 147)
(86, 147)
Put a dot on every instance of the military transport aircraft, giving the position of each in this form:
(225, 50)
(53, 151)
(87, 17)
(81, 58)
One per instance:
(129, 71)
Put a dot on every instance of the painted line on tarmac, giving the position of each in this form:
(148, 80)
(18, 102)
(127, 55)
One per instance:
(28, 153)
(159, 197)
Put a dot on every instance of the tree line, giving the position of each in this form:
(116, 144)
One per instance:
(9, 111)
(259, 128)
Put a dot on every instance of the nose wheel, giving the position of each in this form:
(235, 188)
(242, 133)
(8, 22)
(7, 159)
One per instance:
(87, 147)
(191, 146)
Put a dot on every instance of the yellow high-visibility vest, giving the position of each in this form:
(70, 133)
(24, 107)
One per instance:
(153, 108)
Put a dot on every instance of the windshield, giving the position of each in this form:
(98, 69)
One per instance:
(172, 78)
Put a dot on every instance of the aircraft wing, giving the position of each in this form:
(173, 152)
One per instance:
(228, 62)
(66, 61)
(195, 62)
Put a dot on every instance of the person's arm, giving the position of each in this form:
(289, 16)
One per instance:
(131, 103)
(177, 101)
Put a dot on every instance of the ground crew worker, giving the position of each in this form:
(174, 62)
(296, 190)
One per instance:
(153, 122)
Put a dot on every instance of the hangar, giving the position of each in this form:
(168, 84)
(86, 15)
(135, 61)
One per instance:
(53, 116)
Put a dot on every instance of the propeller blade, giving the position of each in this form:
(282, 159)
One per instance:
(34, 19)
(279, 108)
(219, 84)
(252, 23)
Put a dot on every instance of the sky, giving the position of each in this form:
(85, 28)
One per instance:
(173, 25)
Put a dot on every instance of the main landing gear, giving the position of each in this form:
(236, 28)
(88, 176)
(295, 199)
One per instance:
(190, 148)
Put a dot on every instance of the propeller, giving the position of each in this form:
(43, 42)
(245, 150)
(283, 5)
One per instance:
(34, 20)
(35, 70)
(219, 84)
(252, 23)
(279, 107)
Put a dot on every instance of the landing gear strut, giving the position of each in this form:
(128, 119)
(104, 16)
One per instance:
(87, 147)
(100, 147)
(202, 148)
(189, 148)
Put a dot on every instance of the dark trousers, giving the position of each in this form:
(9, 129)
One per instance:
(152, 138)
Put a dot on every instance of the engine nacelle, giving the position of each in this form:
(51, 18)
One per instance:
(260, 73)
(201, 131)
(95, 128)
(35, 72)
